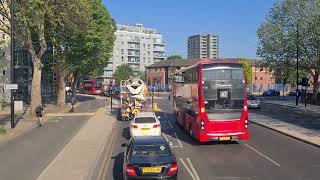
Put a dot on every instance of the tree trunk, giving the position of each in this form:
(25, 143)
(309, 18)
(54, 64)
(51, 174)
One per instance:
(315, 87)
(61, 89)
(36, 85)
(74, 84)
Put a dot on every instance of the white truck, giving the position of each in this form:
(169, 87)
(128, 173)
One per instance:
(133, 98)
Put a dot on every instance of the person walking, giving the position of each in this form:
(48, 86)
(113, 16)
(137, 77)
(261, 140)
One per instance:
(39, 113)
(73, 103)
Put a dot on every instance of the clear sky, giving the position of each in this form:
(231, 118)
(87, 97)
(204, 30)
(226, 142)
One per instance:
(235, 21)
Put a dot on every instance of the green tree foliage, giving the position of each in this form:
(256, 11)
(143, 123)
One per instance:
(247, 70)
(123, 72)
(174, 57)
(292, 24)
(141, 75)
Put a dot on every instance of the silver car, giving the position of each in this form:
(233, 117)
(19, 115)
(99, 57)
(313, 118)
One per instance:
(253, 102)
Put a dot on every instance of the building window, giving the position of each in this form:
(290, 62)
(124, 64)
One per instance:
(122, 58)
(261, 78)
(122, 42)
(4, 72)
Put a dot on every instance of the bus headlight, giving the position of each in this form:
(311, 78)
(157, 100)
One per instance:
(246, 121)
(202, 123)
(202, 128)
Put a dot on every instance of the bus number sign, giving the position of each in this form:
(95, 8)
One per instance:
(223, 94)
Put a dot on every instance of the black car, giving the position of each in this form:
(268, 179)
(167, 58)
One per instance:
(271, 92)
(149, 158)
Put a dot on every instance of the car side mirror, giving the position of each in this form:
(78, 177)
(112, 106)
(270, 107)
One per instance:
(124, 145)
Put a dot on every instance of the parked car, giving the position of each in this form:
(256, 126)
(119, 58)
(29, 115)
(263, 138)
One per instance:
(253, 102)
(149, 158)
(271, 92)
(294, 93)
(145, 124)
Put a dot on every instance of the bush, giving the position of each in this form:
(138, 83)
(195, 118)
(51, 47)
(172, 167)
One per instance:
(3, 131)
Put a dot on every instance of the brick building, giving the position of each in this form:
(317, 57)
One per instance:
(159, 73)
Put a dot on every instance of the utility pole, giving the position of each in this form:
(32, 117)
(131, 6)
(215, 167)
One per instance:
(297, 44)
(11, 63)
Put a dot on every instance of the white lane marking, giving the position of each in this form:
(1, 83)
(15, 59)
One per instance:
(193, 169)
(165, 137)
(189, 171)
(262, 155)
(168, 120)
(178, 140)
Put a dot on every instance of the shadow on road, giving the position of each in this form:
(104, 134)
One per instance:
(117, 166)
(182, 133)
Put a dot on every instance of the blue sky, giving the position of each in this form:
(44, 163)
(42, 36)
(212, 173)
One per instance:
(235, 21)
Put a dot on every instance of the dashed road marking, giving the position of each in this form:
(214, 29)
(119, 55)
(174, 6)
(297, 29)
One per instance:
(175, 134)
(193, 169)
(165, 137)
(262, 155)
(189, 171)
(168, 120)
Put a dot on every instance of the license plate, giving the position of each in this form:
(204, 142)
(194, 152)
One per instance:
(224, 138)
(223, 94)
(145, 129)
(151, 170)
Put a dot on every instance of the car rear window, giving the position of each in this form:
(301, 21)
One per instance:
(252, 98)
(145, 120)
(150, 150)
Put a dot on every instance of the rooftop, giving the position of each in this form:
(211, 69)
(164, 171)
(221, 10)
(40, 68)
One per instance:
(138, 28)
(189, 62)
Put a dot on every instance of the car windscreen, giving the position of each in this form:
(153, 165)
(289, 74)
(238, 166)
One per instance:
(150, 150)
(145, 120)
(252, 98)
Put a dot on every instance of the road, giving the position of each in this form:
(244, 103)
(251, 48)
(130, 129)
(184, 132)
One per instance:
(26, 156)
(268, 155)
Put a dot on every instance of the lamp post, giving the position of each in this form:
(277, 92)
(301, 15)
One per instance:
(297, 66)
(11, 63)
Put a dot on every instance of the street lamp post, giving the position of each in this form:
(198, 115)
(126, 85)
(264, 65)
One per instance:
(297, 66)
(11, 63)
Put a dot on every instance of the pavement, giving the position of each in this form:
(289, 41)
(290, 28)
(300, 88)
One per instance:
(268, 155)
(65, 144)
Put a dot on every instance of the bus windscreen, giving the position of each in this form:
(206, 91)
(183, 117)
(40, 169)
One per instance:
(223, 88)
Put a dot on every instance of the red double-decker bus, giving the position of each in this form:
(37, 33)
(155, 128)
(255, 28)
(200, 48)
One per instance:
(211, 101)
(92, 87)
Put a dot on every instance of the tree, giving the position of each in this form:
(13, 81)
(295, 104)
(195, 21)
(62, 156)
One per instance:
(141, 75)
(89, 49)
(63, 19)
(247, 70)
(123, 72)
(174, 57)
(292, 24)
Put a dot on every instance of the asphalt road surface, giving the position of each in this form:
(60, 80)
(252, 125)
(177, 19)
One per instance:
(26, 156)
(268, 155)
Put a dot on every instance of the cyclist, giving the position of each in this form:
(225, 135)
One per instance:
(39, 112)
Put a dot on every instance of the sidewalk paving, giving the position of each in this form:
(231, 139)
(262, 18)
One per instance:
(80, 156)
(292, 104)
(307, 135)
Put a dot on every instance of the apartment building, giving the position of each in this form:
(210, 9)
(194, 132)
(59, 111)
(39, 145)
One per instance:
(137, 46)
(4, 62)
(203, 46)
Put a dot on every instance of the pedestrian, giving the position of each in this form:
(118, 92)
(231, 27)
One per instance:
(39, 113)
(73, 103)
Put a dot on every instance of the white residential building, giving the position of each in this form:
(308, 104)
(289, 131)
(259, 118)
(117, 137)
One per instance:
(137, 46)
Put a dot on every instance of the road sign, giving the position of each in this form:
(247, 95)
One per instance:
(10, 86)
